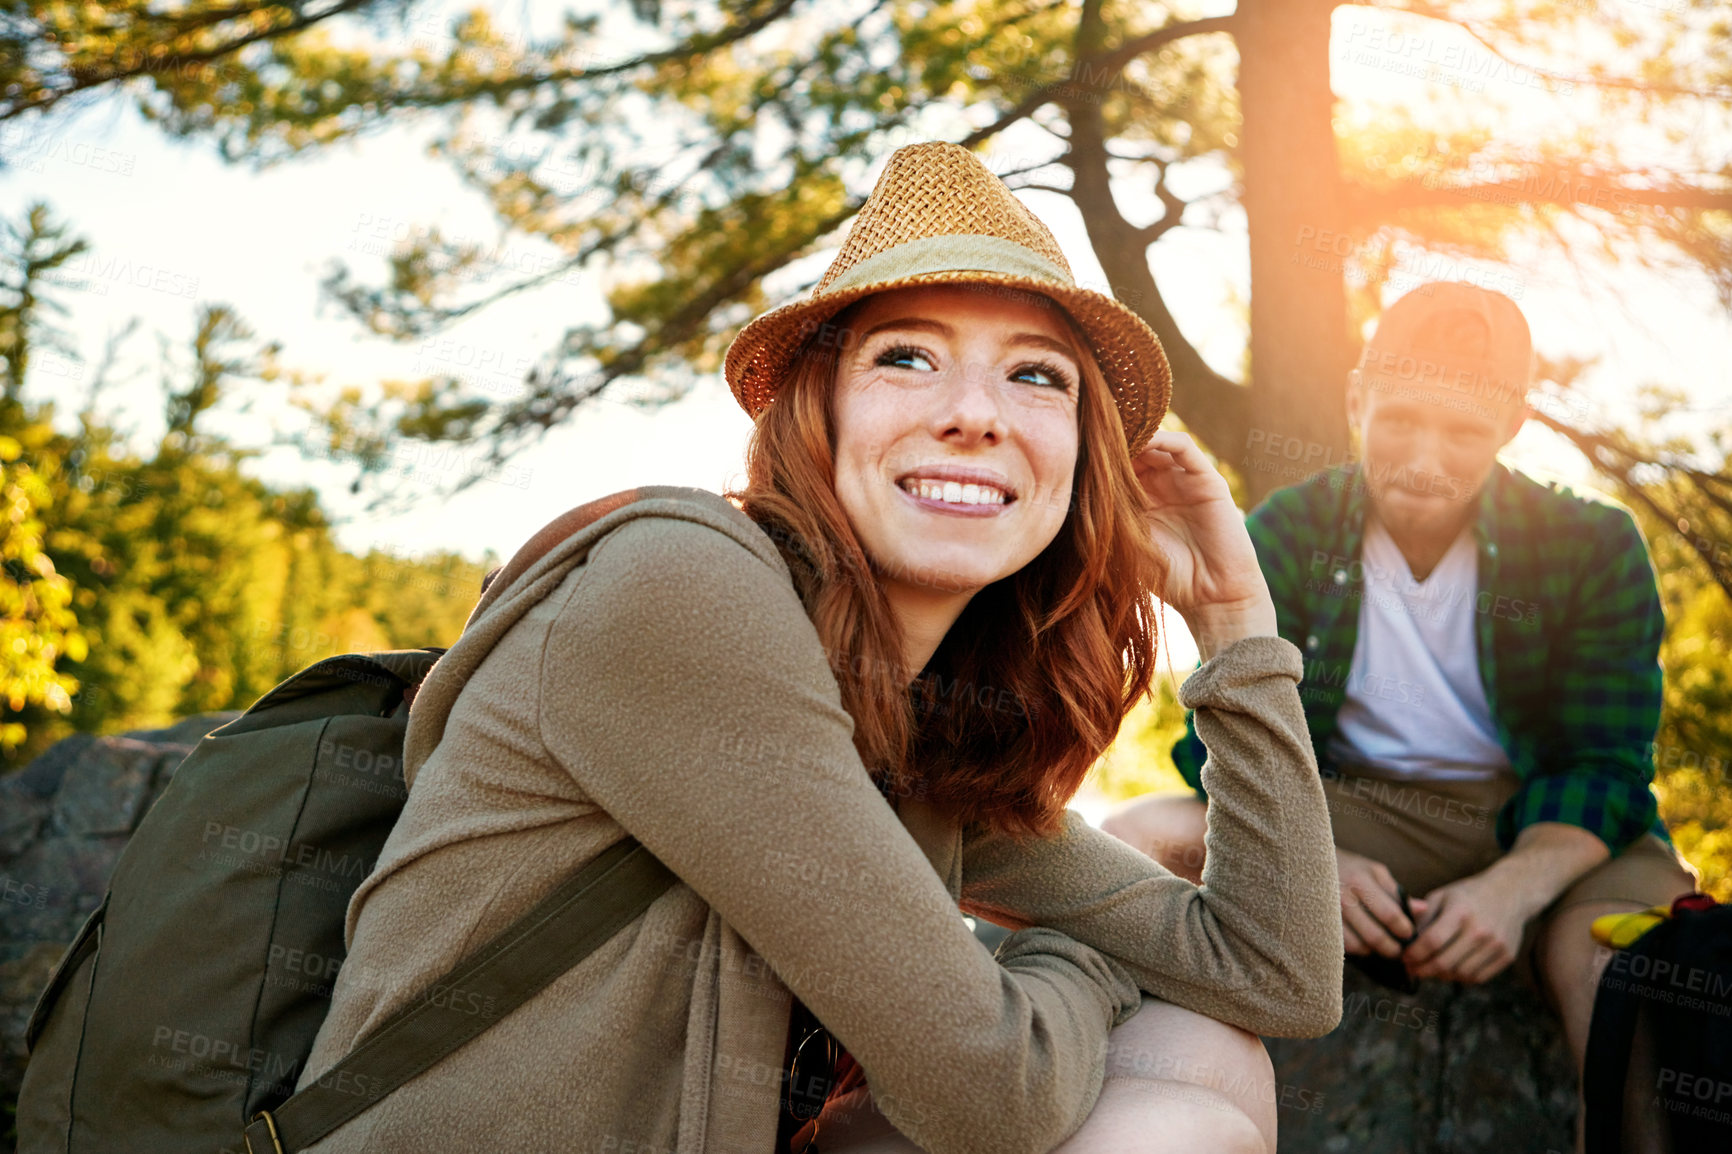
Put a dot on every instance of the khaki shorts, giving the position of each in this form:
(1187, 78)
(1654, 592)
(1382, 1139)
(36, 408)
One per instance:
(1433, 832)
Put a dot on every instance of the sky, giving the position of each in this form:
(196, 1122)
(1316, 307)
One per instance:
(171, 226)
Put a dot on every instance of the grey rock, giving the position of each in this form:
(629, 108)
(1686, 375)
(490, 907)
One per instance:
(106, 788)
(1451, 1069)
(21, 821)
(41, 778)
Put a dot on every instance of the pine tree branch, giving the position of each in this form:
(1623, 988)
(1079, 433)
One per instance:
(1618, 460)
(554, 399)
(1116, 60)
(1100, 68)
(1171, 202)
(84, 79)
(1601, 82)
(1212, 406)
(1584, 190)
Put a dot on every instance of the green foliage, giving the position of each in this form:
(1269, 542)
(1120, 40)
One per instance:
(1693, 750)
(1140, 759)
(37, 624)
(139, 588)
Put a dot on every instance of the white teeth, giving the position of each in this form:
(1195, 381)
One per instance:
(954, 492)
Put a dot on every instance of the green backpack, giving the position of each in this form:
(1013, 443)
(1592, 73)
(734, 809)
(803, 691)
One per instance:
(183, 1012)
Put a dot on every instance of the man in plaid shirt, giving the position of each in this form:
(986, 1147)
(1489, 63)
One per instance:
(1482, 682)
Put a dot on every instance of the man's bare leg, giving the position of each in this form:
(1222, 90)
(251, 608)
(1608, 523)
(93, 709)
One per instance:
(1571, 962)
(1169, 827)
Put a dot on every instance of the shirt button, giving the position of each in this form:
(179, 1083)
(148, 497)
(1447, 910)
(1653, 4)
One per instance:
(1311, 641)
(1492, 549)
(1341, 576)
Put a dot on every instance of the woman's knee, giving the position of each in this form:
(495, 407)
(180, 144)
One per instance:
(1162, 1040)
(1198, 1058)
(1176, 1081)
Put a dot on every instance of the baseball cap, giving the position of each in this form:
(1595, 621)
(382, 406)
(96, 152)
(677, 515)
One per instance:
(1454, 336)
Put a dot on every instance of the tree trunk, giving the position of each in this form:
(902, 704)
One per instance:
(1301, 349)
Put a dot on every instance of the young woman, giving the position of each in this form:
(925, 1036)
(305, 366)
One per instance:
(848, 705)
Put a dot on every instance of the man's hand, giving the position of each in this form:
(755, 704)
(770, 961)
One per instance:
(1476, 923)
(1371, 917)
(1473, 933)
(1212, 575)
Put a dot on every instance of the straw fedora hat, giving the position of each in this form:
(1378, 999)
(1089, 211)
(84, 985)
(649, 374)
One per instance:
(938, 216)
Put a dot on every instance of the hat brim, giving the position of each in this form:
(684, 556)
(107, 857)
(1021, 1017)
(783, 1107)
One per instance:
(1128, 351)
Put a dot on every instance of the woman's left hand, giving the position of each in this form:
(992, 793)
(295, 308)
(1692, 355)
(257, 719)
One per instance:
(1212, 577)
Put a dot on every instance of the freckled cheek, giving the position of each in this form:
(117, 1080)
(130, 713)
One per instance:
(858, 488)
(862, 439)
(870, 419)
(1050, 446)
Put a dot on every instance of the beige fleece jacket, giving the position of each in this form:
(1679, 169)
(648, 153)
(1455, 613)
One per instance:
(657, 675)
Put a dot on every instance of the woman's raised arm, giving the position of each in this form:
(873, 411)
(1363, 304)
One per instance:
(1258, 944)
(687, 693)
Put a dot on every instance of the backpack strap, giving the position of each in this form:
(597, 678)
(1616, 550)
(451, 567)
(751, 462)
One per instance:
(586, 910)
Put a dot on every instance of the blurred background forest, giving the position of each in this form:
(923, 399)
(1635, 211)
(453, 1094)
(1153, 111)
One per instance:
(140, 588)
(691, 164)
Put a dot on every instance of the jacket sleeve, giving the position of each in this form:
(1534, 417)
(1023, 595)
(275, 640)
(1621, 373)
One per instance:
(1258, 944)
(1274, 527)
(689, 696)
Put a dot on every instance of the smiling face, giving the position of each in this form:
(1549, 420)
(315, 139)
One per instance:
(955, 416)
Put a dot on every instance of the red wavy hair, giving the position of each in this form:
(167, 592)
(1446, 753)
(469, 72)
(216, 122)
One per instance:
(1031, 683)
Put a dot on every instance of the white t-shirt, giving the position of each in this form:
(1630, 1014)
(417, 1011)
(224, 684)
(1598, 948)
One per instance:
(1415, 703)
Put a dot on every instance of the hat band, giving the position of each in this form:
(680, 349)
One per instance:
(954, 252)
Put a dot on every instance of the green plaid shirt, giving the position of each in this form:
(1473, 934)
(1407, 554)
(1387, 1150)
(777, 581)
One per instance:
(1568, 632)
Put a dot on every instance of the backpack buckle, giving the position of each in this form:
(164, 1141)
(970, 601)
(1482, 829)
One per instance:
(268, 1130)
